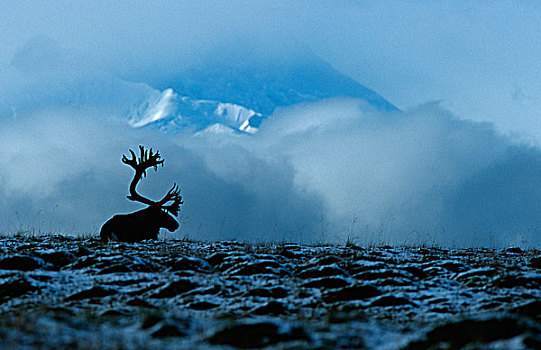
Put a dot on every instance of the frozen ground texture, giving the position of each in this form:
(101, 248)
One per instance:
(65, 292)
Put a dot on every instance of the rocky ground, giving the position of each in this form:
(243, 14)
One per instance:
(64, 292)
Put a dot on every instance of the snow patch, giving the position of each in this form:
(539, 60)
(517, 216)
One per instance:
(235, 113)
(246, 127)
(156, 110)
(171, 113)
(216, 129)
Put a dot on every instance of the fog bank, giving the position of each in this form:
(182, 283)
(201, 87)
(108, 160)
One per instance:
(331, 171)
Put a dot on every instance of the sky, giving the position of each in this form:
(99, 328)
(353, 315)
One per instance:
(459, 167)
(478, 58)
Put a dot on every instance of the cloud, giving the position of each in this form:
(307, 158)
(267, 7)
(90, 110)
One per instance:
(318, 172)
(39, 54)
(62, 173)
(420, 176)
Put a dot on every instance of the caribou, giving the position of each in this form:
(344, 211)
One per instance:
(146, 223)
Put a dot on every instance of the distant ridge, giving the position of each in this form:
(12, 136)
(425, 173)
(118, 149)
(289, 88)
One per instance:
(240, 95)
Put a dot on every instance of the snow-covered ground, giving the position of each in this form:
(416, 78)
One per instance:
(59, 292)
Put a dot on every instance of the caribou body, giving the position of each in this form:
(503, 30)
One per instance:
(145, 223)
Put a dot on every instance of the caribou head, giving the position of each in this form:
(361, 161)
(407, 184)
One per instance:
(145, 223)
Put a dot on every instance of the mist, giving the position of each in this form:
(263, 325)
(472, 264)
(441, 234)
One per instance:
(333, 171)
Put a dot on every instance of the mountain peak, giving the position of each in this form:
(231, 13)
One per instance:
(233, 92)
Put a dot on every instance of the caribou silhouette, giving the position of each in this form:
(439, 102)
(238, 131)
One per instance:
(145, 223)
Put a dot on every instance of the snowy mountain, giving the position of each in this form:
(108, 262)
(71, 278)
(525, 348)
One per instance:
(171, 113)
(221, 95)
(239, 96)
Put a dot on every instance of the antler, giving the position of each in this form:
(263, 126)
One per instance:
(147, 160)
(172, 195)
